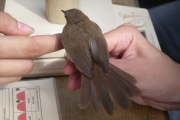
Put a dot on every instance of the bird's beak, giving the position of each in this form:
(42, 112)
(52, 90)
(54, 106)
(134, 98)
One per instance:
(63, 11)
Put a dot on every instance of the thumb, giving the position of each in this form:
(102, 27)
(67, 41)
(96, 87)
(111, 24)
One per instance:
(10, 26)
(128, 48)
(127, 42)
(119, 39)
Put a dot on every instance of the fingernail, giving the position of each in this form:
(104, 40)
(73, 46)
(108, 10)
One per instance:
(25, 28)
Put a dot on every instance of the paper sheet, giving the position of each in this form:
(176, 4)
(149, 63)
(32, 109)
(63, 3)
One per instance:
(29, 100)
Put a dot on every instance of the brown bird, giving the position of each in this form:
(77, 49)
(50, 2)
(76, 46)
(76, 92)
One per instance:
(86, 46)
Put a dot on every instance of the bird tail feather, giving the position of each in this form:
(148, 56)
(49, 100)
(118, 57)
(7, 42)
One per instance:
(117, 82)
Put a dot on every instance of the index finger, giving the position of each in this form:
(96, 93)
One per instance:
(29, 47)
(10, 26)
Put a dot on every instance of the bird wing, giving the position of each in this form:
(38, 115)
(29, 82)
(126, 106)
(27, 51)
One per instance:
(76, 46)
(98, 47)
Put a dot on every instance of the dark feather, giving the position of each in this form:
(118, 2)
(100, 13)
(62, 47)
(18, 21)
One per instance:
(78, 52)
(118, 93)
(95, 101)
(100, 55)
(85, 92)
(102, 92)
(124, 80)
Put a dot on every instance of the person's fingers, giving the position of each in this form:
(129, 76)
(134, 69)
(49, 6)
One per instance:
(15, 67)
(155, 104)
(9, 79)
(29, 47)
(119, 39)
(10, 26)
(164, 106)
(74, 81)
(139, 100)
(125, 41)
(69, 68)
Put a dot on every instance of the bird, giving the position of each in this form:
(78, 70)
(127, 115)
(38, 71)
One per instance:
(86, 47)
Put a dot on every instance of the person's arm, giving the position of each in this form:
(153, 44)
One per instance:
(158, 77)
(17, 49)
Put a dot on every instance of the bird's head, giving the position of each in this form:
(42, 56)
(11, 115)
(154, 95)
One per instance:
(74, 15)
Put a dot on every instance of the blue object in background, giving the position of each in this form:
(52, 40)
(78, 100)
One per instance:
(166, 21)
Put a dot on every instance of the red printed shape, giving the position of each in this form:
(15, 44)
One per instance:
(22, 117)
(21, 96)
(21, 106)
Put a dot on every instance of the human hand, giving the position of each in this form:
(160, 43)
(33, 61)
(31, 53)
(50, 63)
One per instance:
(158, 77)
(17, 49)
